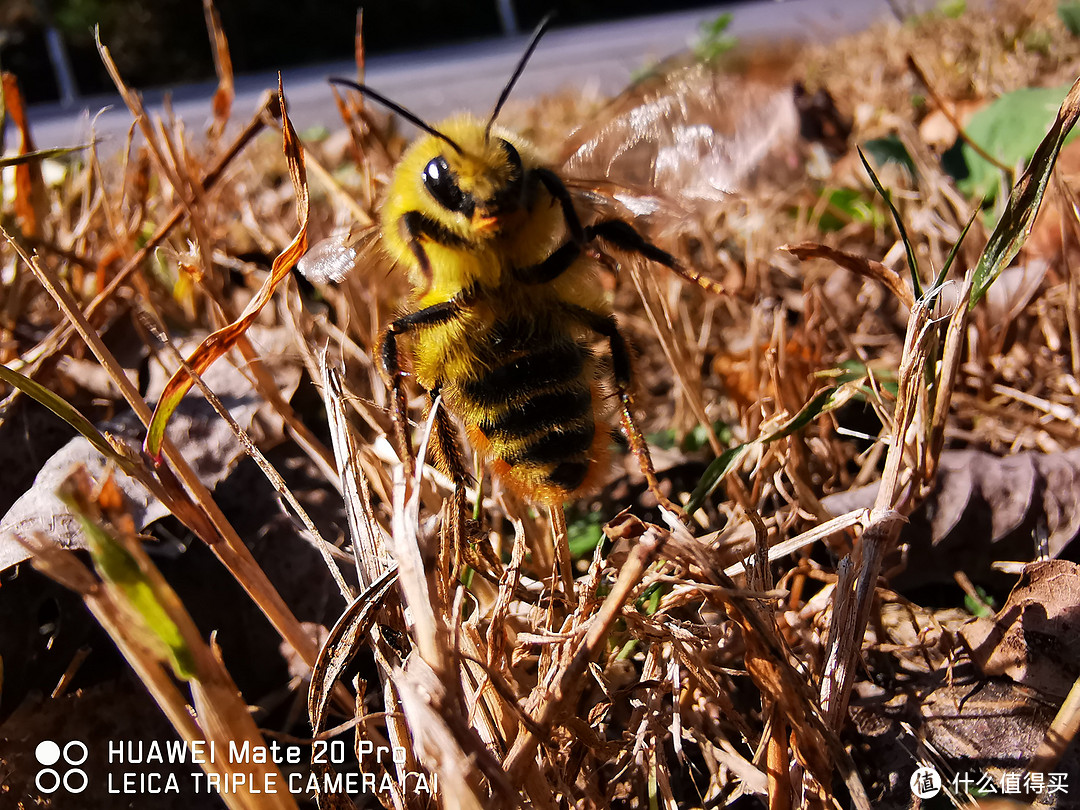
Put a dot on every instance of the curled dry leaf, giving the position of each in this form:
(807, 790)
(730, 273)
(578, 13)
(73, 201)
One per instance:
(1035, 638)
(217, 344)
(867, 268)
(964, 722)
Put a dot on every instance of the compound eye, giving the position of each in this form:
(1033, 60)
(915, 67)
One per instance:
(440, 181)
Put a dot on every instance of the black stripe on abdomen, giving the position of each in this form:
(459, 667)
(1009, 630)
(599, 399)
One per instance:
(526, 374)
(535, 401)
(569, 474)
(554, 446)
(538, 412)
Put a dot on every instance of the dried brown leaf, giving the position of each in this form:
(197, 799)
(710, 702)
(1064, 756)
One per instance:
(223, 339)
(30, 204)
(984, 508)
(1035, 638)
(226, 91)
(867, 268)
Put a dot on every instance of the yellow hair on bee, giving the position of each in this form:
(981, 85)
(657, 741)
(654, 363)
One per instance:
(506, 304)
(466, 213)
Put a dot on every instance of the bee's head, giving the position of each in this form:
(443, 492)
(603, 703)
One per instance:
(479, 186)
(468, 176)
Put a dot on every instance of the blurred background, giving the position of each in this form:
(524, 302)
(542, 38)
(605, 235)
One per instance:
(49, 44)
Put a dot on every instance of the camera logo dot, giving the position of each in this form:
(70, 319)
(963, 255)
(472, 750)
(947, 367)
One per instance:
(925, 782)
(49, 779)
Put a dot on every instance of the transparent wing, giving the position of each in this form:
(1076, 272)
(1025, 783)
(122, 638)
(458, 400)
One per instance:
(691, 135)
(330, 260)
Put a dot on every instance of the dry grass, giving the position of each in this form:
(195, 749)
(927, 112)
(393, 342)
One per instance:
(674, 665)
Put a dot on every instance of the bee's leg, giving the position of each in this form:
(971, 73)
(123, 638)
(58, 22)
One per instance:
(391, 364)
(566, 254)
(461, 545)
(448, 454)
(450, 459)
(416, 226)
(550, 268)
(605, 326)
(623, 236)
(557, 189)
(398, 409)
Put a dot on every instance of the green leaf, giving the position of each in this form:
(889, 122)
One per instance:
(315, 133)
(713, 39)
(1019, 215)
(1070, 16)
(717, 26)
(1009, 129)
(940, 280)
(715, 473)
(653, 604)
(40, 154)
(627, 650)
(847, 205)
(953, 9)
(584, 534)
(693, 441)
(853, 369)
(664, 439)
(1038, 40)
(649, 601)
(118, 567)
(828, 400)
(890, 149)
(981, 605)
(66, 411)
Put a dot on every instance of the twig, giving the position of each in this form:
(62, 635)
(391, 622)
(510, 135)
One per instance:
(58, 338)
(232, 552)
(946, 110)
(1061, 732)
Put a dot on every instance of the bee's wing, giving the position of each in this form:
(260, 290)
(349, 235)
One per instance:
(607, 198)
(692, 135)
(330, 260)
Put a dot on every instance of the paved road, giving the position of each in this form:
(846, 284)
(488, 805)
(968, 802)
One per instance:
(443, 80)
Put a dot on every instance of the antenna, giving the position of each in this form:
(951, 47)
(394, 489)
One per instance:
(408, 115)
(539, 32)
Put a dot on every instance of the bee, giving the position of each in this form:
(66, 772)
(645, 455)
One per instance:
(506, 300)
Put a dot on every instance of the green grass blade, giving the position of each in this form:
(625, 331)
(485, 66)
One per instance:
(828, 400)
(913, 265)
(66, 411)
(955, 249)
(824, 401)
(121, 569)
(716, 472)
(40, 154)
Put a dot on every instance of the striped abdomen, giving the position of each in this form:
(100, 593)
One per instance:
(531, 409)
